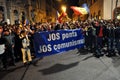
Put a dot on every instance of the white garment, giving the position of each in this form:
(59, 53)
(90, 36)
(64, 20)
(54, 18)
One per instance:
(25, 42)
(2, 48)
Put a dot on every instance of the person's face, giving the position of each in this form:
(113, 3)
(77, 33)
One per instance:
(101, 24)
(1, 29)
(97, 24)
(25, 33)
(18, 31)
(6, 33)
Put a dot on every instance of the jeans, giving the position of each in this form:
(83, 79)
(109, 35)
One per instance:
(111, 45)
(99, 45)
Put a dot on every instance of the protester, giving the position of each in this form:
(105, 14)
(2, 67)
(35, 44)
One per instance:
(3, 49)
(25, 48)
(117, 37)
(101, 38)
(18, 45)
(111, 39)
(10, 46)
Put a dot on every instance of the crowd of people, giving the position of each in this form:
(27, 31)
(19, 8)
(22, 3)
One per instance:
(16, 41)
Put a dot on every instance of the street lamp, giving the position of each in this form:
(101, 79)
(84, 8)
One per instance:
(64, 9)
(64, 14)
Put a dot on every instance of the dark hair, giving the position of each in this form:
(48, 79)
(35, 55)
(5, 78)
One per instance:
(1, 25)
(23, 31)
(5, 29)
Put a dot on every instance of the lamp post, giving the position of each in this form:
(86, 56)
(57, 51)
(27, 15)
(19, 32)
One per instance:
(63, 14)
(64, 9)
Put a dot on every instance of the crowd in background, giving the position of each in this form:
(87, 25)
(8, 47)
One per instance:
(102, 37)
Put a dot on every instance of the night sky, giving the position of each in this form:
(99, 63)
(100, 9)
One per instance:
(67, 3)
(71, 3)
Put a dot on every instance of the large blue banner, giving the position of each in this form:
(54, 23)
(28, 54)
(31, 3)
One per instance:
(53, 42)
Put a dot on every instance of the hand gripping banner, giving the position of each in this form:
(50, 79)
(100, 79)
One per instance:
(53, 42)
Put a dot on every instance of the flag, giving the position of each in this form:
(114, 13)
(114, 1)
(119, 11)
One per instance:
(86, 7)
(61, 16)
(58, 15)
(79, 10)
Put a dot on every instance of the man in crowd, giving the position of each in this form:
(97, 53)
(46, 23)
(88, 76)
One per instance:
(10, 46)
(25, 48)
(111, 39)
(99, 38)
(3, 49)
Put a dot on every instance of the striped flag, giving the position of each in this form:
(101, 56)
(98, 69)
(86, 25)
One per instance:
(61, 16)
(86, 7)
(58, 14)
(79, 10)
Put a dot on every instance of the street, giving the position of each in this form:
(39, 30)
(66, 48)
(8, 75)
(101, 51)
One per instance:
(31, 29)
(70, 65)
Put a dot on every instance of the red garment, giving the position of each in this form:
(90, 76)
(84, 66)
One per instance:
(101, 32)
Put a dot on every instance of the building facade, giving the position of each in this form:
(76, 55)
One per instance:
(18, 11)
(38, 11)
(104, 9)
(3, 10)
(51, 10)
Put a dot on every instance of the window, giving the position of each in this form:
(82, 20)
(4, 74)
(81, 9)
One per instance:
(117, 12)
(94, 15)
(1, 13)
(91, 16)
(15, 12)
(99, 14)
(1, 8)
(95, 1)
